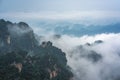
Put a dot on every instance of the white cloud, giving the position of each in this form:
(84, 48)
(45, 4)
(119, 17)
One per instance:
(107, 68)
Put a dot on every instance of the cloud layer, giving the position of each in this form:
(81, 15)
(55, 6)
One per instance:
(81, 55)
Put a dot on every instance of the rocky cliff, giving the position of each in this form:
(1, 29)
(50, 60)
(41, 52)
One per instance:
(21, 58)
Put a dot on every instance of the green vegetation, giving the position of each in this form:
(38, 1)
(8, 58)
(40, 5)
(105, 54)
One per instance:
(21, 58)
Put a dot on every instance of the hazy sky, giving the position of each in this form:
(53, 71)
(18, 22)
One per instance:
(43, 8)
(58, 5)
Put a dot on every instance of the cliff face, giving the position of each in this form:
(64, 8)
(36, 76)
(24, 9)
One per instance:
(15, 36)
(21, 58)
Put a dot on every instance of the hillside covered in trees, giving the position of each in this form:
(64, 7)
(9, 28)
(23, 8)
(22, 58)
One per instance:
(23, 58)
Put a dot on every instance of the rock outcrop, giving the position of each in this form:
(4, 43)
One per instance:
(21, 58)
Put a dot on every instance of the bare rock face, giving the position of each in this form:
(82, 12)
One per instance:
(18, 66)
(21, 58)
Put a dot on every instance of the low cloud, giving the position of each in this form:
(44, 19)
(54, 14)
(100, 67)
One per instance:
(103, 48)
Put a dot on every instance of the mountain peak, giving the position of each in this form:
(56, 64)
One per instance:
(21, 56)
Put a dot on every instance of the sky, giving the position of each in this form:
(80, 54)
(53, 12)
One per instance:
(58, 5)
(59, 8)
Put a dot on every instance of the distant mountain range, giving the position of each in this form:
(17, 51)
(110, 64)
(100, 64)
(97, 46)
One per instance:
(79, 29)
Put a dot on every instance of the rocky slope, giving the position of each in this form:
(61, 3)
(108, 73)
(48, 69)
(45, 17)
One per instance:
(21, 58)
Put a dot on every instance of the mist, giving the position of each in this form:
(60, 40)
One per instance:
(87, 31)
(90, 57)
(95, 57)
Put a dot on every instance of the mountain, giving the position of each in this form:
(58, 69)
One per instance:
(87, 52)
(79, 29)
(16, 35)
(22, 58)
